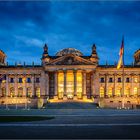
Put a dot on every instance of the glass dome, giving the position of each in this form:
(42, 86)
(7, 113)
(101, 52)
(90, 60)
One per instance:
(69, 51)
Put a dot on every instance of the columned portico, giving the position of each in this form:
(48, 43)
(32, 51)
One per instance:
(69, 84)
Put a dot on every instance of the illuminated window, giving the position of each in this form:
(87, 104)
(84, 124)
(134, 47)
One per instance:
(110, 92)
(38, 92)
(101, 92)
(29, 92)
(127, 92)
(118, 92)
(135, 90)
(3, 92)
(20, 92)
(135, 79)
(12, 92)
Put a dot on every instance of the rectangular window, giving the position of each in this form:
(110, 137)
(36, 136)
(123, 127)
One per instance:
(119, 80)
(102, 91)
(127, 80)
(20, 80)
(38, 92)
(37, 80)
(110, 80)
(102, 80)
(11, 80)
(135, 90)
(28, 80)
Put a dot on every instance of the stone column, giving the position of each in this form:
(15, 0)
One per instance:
(75, 82)
(24, 86)
(92, 81)
(47, 83)
(114, 91)
(42, 84)
(65, 83)
(7, 85)
(106, 85)
(131, 90)
(33, 85)
(84, 84)
(16, 85)
(123, 85)
(56, 84)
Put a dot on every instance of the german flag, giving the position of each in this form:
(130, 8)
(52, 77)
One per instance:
(121, 53)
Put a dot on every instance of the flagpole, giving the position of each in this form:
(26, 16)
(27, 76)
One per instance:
(123, 75)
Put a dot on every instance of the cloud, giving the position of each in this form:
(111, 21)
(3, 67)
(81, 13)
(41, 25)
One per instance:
(25, 26)
(29, 41)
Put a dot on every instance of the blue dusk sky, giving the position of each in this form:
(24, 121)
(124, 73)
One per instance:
(25, 26)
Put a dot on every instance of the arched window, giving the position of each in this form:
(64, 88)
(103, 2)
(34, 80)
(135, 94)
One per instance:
(29, 92)
(101, 91)
(38, 92)
(110, 92)
(135, 91)
(20, 92)
(12, 92)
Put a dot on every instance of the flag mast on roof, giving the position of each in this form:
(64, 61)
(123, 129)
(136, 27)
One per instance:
(121, 64)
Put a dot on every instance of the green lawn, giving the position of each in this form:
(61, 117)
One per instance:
(23, 118)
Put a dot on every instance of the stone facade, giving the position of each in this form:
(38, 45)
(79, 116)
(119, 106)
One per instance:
(71, 75)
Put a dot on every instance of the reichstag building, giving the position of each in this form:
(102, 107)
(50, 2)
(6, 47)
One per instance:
(69, 75)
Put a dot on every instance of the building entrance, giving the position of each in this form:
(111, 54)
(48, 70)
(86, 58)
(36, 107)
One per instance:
(70, 85)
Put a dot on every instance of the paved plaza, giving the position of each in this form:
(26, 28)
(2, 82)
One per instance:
(73, 122)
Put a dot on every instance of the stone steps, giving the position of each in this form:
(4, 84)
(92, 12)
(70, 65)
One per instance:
(71, 105)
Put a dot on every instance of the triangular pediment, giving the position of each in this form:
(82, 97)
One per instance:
(70, 59)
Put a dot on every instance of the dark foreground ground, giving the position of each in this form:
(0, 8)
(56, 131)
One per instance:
(73, 124)
(78, 127)
(70, 132)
